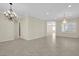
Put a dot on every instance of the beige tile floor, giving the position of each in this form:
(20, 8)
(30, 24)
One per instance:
(41, 47)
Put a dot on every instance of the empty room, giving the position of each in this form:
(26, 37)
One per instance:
(39, 29)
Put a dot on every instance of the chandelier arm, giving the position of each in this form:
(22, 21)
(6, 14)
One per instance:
(11, 7)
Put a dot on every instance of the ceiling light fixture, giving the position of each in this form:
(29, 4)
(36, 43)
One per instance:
(10, 14)
(47, 13)
(69, 6)
(64, 20)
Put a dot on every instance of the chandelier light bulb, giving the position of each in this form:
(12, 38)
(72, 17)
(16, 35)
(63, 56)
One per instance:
(8, 11)
(11, 16)
(4, 13)
(64, 21)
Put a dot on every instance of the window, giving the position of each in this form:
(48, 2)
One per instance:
(69, 27)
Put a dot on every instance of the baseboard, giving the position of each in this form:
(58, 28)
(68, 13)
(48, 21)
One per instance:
(35, 38)
(67, 37)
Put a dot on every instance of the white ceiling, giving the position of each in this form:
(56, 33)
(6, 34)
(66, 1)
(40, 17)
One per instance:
(45, 11)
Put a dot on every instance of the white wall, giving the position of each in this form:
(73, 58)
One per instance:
(6, 29)
(37, 28)
(24, 27)
(16, 29)
(32, 28)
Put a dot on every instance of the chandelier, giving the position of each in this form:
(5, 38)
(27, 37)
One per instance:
(64, 20)
(10, 14)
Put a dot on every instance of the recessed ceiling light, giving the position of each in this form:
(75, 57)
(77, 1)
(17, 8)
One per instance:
(69, 6)
(47, 13)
